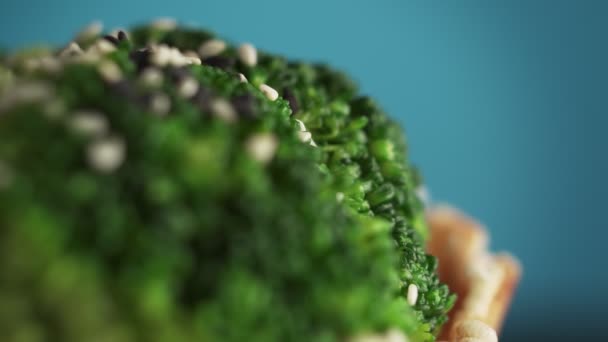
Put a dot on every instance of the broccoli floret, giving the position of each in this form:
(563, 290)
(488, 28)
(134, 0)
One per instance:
(141, 210)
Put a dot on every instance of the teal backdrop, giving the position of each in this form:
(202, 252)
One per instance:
(504, 103)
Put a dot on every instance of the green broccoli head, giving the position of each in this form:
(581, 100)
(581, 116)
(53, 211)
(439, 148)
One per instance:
(147, 196)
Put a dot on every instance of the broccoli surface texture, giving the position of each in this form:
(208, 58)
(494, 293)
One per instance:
(146, 200)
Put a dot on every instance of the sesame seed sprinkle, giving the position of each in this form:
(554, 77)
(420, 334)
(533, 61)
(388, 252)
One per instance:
(141, 58)
(161, 56)
(248, 54)
(160, 104)
(244, 105)
(90, 31)
(88, 123)
(24, 92)
(223, 110)
(242, 78)
(106, 155)
(211, 48)
(412, 294)
(339, 196)
(122, 35)
(269, 92)
(262, 147)
(151, 77)
(291, 98)
(192, 57)
(73, 49)
(188, 87)
(203, 98)
(304, 136)
(125, 88)
(102, 47)
(109, 71)
(50, 64)
(393, 335)
(111, 39)
(176, 58)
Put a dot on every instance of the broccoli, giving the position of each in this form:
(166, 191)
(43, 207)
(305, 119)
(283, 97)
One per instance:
(180, 203)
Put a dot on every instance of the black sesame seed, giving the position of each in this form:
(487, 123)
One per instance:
(122, 35)
(202, 98)
(291, 98)
(112, 39)
(141, 58)
(126, 89)
(220, 62)
(244, 105)
(178, 74)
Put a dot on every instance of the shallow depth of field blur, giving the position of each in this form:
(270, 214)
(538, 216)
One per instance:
(504, 105)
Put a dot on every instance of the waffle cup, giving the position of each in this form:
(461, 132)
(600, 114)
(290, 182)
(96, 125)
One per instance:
(484, 282)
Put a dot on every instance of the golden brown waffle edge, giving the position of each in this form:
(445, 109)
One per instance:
(484, 282)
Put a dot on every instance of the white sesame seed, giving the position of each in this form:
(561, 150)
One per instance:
(151, 77)
(223, 110)
(304, 136)
(187, 87)
(109, 71)
(242, 78)
(50, 64)
(211, 48)
(193, 60)
(262, 147)
(102, 47)
(476, 329)
(248, 54)
(91, 56)
(301, 125)
(33, 91)
(269, 92)
(312, 143)
(339, 196)
(90, 31)
(88, 123)
(165, 24)
(392, 335)
(192, 57)
(395, 335)
(73, 49)
(24, 92)
(160, 104)
(106, 155)
(176, 58)
(161, 55)
(412, 294)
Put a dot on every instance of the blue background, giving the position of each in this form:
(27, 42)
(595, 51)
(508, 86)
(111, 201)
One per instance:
(504, 103)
